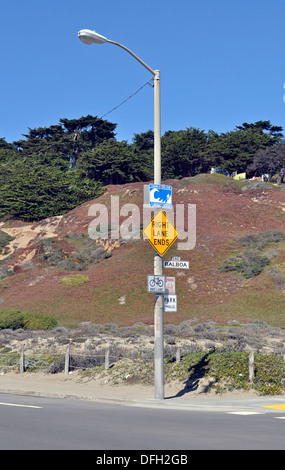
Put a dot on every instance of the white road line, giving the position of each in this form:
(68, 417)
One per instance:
(244, 413)
(279, 417)
(22, 406)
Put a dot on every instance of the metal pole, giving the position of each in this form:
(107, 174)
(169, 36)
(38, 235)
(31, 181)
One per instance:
(157, 130)
(158, 302)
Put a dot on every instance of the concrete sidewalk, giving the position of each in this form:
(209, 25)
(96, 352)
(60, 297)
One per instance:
(68, 387)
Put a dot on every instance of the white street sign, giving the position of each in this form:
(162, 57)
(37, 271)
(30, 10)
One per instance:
(176, 264)
(169, 285)
(156, 284)
(170, 303)
(158, 195)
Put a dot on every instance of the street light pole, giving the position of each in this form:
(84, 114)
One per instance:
(88, 36)
(158, 298)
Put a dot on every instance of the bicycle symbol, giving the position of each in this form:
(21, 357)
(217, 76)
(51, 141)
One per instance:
(156, 281)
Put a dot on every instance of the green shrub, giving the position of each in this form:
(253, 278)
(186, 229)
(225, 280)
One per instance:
(228, 371)
(11, 319)
(260, 240)
(6, 271)
(15, 319)
(249, 263)
(54, 257)
(5, 238)
(38, 322)
(47, 242)
(76, 280)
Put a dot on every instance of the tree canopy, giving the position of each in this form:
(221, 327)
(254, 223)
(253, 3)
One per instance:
(235, 150)
(271, 161)
(53, 169)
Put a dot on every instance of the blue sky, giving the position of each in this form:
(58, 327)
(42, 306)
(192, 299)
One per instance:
(222, 63)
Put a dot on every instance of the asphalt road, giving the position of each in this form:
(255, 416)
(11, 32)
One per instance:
(38, 423)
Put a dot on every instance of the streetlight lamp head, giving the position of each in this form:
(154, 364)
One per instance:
(88, 37)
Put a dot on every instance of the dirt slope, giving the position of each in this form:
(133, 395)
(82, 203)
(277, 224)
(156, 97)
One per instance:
(115, 289)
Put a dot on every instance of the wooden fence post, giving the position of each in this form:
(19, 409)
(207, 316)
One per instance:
(67, 357)
(251, 366)
(178, 355)
(22, 362)
(107, 358)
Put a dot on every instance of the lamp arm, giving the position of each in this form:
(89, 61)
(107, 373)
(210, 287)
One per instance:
(134, 55)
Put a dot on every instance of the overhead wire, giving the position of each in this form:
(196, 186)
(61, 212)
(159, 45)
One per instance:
(127, 99)
(96, 119)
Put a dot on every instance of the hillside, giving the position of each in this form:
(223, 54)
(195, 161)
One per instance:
(114, 288)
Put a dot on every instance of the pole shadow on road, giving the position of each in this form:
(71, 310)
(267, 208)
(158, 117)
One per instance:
(196, 373)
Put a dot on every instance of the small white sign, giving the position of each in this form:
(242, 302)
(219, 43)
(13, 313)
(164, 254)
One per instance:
(156, 195)
(170, 303)
(160, 196)
(156, 284)
(176, 264)
(169, 285)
